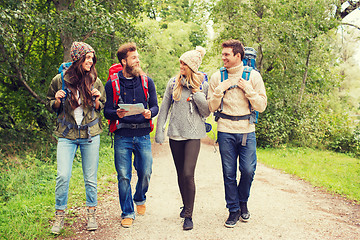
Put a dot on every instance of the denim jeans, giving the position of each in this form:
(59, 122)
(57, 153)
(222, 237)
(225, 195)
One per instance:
(66, 149)
(124, 148)
(230, 145)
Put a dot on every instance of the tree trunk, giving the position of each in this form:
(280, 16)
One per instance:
(303, 84)
(66, 37)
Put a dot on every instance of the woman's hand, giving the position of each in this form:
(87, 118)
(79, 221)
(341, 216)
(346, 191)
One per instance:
(96, 93)
(58, 96)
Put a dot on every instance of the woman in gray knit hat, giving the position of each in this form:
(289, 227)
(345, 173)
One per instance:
(186, 96)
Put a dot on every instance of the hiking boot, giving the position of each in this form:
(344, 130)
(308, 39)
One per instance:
(92, 225)
(59, 222)
(245, 215)
(141, 209)
(232, 219)
(188, 224)
(127, 222)
(182, 213)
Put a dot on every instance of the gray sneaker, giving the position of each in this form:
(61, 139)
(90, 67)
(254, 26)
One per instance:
(92, 225)
(59, 222)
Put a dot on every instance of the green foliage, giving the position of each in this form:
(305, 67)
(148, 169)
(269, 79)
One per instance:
(162, 48)
(27, 51)
(19, 144)
(172, 10)
(27, 196)
(32, 37)
(307, 80)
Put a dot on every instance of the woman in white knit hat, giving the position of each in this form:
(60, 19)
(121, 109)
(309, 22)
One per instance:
(185, 95)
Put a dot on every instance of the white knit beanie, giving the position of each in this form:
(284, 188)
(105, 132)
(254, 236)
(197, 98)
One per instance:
(193, 58)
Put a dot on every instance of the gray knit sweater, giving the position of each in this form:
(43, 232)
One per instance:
(187, 118)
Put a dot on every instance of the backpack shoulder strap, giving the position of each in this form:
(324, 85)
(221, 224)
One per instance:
(223, 73)
(246, 73)
(62, 69)
(63, 87)
(145, 83)
(205, 79)
(114, 78)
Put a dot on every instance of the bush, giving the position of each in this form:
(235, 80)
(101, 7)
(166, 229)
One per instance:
(17, 143)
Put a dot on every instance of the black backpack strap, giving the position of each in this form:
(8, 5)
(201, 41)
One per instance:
(133, 125)
(232, 118)
(77, 127)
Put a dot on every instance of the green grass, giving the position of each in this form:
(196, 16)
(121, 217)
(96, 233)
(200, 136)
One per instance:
(337, 173)
(27, 193)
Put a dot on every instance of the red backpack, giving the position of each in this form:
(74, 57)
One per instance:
(113, 77)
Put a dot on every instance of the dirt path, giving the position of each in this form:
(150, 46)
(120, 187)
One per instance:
(281, 206)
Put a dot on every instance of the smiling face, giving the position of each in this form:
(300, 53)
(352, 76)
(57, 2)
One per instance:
(184, 69)
(230, 60)
(88, 62)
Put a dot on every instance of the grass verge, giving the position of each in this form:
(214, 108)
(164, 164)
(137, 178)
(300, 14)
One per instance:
(27, 193)
(336, 172)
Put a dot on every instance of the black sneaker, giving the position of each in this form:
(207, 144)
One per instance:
(188, 224)
(245, 215)
(232, 219)
(182, 213)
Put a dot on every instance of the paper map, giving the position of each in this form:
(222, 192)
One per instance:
(132, 109)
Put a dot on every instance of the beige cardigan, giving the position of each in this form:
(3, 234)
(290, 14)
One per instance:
(236, 101)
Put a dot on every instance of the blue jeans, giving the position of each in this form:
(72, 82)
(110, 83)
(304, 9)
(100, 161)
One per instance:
(124, 148)
(230, 145)
(66, 149)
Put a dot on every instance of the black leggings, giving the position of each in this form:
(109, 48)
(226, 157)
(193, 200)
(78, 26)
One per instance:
(185, 154)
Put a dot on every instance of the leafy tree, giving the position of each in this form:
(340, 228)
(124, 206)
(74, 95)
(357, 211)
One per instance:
(171, 10)
(162, 48)
(36, 37)
(172, 27)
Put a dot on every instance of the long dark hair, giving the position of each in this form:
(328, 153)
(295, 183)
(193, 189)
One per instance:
(81, 80)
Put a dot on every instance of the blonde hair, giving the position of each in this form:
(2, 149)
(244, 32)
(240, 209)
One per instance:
(192, 79)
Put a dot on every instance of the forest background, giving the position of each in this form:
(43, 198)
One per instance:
(306, 55)
(310, 74)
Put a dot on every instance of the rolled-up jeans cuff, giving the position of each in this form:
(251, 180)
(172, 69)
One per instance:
(140, 203)
(129, 216)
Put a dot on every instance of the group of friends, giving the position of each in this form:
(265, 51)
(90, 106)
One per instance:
(78, 97)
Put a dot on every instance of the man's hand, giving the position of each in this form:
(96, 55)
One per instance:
(147, 114)
(121, 112)
(242, 84)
